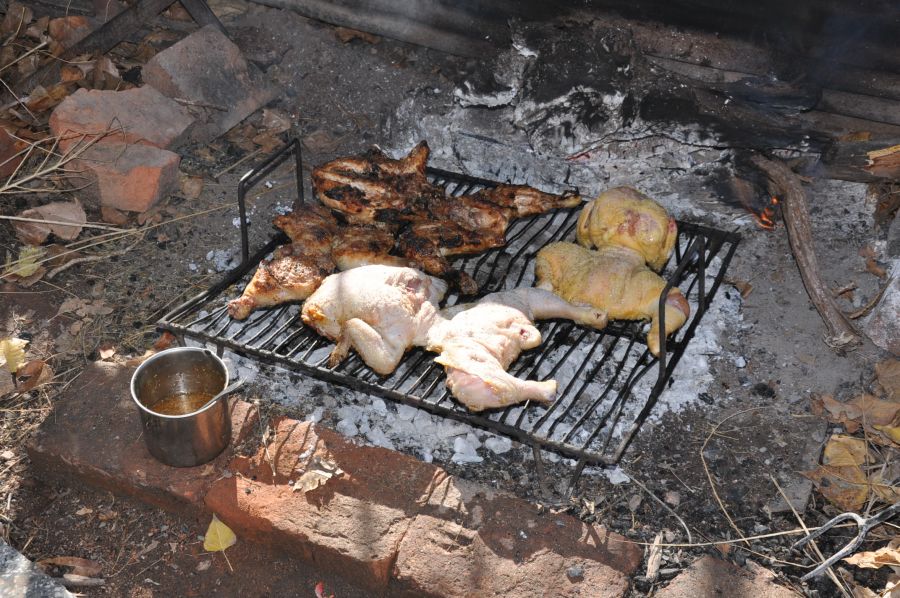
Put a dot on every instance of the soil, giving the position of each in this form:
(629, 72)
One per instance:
(717, 459)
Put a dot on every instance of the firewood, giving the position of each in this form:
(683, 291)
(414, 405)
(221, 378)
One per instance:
(863, 161)
(786, 186)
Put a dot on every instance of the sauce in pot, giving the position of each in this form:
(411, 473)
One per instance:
(181, 404)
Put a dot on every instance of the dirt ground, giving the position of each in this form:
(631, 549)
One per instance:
(751, 430)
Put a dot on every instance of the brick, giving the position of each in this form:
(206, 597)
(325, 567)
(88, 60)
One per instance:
(208, 70)
(129, 177)
(144, 115)
(352, 525)
(709, 576)
(70, 30)
(470, 541)
(94, 436)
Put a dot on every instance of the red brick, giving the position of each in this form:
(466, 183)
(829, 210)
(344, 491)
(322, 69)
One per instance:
(94, 436)
(709, 576)
(70, 30)
(128, 177)
(468, 541)
(209, 70)
(140, 115)
(352, 525)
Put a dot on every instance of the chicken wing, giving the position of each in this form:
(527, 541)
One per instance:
(614, 279)
(291, 274)
(380, 311)
(479, 341)
(625, 217)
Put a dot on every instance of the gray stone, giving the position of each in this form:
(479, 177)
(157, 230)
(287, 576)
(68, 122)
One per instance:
(207, 72)
(893, 237)
(20, 578)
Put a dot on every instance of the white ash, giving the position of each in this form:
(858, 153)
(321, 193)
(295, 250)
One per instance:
(222, 259)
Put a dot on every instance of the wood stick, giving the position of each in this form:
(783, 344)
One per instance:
(840, 333)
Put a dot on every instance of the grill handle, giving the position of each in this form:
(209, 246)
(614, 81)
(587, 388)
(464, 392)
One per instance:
(252, 177)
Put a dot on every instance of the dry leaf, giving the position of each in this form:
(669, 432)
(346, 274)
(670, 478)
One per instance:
(12, 353)
(346, 35)
(113, 216)
(873, 268)
(84, 511)
(33, 374)
(275, 121)
(887, 555)
(80, 566)
(846, 487)
(888, 374)
(164, 341)
(26, 265)
(852, 414)
(35, 233)
(317, 473)
(843, 451)
(218, 536)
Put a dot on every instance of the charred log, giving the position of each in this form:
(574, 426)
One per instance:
(863, 161)
(840, 334)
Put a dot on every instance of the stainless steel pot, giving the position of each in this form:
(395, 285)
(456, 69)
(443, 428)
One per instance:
(193, 438)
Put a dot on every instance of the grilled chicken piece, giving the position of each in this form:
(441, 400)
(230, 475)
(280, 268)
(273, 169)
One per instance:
(312, 226)
(625, 217)
(481, 340)
(291, 274)
(356, 246)
(360, 186)
(614, 279)
(380, 311)
(523, 200)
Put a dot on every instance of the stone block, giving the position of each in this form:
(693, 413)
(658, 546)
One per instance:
(208, 70)
(468, 541)
(20, 578)
(883, 325)
(94, 436)
(129, 177)
(141, 115)
(352, 525)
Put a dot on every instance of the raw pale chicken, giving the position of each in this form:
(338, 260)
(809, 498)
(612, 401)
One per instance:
(380, 311)
(291, 274)
(614, 279)
(481, 340)
(625, 217)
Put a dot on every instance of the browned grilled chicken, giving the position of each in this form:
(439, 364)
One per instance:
(291, 274)
(361, 186)
(356, 246)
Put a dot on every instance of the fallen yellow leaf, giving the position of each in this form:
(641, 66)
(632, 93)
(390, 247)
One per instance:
(846, 487)
(12, 353)
(844, 451)
(218, 536)
(27, 264)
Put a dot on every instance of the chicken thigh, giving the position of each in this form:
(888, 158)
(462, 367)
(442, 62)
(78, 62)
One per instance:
(378, 310)
(614, 279)
(479, 341)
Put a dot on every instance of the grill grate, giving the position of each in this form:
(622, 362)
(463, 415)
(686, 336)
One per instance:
(608, 381)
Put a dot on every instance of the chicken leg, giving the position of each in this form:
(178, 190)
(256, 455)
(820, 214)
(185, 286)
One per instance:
(477, 342)
(614, 279)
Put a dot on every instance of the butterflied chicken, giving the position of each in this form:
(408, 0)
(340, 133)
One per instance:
(380, 311)
(291, 274)
(479, 341)
(435, 226)
(625, 217)
(614, 279)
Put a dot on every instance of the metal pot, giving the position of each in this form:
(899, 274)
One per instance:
(193, 438)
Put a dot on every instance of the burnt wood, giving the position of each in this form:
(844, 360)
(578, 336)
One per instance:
(840, 335)
(863, 161)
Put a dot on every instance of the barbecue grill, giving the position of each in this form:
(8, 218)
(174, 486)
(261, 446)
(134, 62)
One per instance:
(606, 378)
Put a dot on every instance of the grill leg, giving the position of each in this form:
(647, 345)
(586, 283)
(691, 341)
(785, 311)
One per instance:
(543, 486)
(576, 475)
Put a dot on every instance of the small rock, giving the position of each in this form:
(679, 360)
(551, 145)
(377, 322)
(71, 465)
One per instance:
(883, 325)
(575, 573)
(672, 498)
(498, 444)
(7, 455)
(203, 566)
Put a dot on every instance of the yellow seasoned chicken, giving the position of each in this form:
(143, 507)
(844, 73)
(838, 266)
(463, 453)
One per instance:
(625, 217)
(614, 279)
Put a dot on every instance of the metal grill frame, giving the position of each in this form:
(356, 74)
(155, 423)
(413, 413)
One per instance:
(290, 344)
